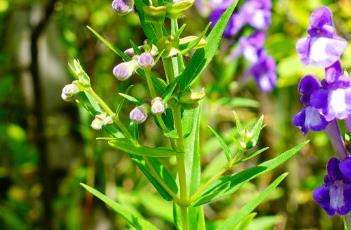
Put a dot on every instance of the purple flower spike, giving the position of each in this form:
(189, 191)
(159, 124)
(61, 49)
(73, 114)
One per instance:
(123, 6)
(322, 47)
(334, 196)
(309, 118)
(264, 72)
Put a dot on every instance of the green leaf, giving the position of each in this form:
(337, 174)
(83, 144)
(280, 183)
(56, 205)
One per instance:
(245, 222)
(162, 173)
(128, 147)
(121, 103)
(133, 219)
(194, 43)
(228, 184)
(238, 102)
(109, 45)
(202, 57)
(252, 155)
(10, 219)
(193, 161)
(130, 98)
(221, 141)
(253, 203)
(149, 30)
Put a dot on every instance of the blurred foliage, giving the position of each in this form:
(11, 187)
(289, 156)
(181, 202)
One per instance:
(97, 165)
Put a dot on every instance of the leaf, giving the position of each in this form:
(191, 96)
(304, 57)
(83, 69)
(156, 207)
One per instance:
(254, 133)
(238, 102)
(136, 221)
(149, 30)
(193, 161)
(128, 147)
(245, 222)
(202, 57)
(121, 103)
(109, 45)
(228, 184)
(252, 155)
(162, 173)
(195, 42)
(130, 98)
(253, 203)
(221, 141)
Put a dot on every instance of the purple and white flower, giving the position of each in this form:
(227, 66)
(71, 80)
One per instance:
(123, 6)
(124, 70)
(322, 47)
(334, 196)
(138, 114)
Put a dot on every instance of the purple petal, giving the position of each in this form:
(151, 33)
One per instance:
(325, 51)
(257, 13)
(309, 119)
(320, 17)
(333, 170)
(308, 84)
(319, 100)
(303, 49)
(299, 120)
(233, 26)
(321, 196)
(333, 72)
(345, 167)
(339, 103)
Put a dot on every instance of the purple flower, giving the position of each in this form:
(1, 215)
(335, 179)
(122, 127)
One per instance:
(322, 47)
(123, 6)
(146, 61)
(138, 115)
(264, 72)
(309, 118)
(334, 196)
(257, 13)
(124, 70)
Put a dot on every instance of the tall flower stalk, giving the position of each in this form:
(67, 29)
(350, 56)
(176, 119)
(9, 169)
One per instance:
(175, 104)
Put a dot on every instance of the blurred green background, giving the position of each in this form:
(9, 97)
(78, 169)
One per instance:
(47, 147)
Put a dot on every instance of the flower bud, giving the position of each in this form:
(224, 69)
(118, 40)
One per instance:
(124, 70)
(101, 120)
(157, 106)
(146, 61)
(138, 114)
(69, 91)
(123, 6)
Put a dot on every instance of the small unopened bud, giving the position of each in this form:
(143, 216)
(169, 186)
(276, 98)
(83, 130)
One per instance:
(124, 70)
(101, 120)
(69, 91)
(123, 6)
(157, 106)
(138, 114)
(146, 61)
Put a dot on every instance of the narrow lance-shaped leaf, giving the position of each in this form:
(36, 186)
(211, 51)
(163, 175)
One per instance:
(133, 219)
(202, 57)
(251, 205)
(128, 147)
(221, 141)
(228, 184)
(109, 45)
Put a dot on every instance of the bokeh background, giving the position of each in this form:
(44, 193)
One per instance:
(47, 147)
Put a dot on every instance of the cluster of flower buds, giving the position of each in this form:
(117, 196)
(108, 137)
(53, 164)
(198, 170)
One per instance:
(125, 70)
(101, 120)
(257, 14)
(324, 104)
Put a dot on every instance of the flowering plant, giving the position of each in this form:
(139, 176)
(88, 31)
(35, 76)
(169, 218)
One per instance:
(175, 104)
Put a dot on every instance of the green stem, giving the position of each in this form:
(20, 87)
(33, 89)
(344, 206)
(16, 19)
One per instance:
(109, 112)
